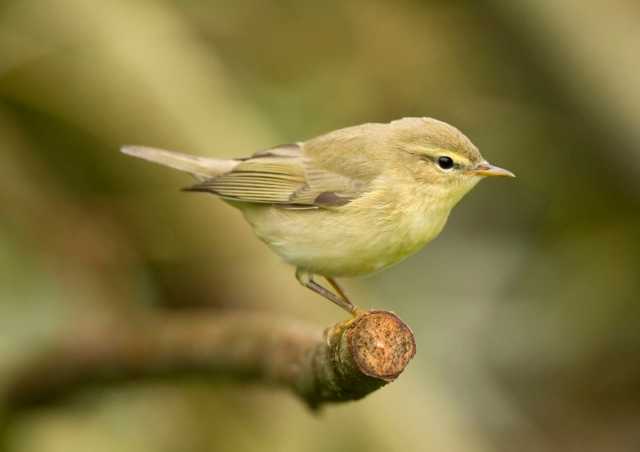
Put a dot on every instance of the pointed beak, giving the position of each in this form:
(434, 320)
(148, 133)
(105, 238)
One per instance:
(487, 169)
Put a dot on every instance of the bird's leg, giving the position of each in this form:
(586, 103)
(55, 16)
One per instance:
(338, 289)
(353, 309)
(306, 279)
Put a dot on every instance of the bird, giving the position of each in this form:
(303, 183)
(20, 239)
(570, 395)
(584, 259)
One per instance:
(347, 203)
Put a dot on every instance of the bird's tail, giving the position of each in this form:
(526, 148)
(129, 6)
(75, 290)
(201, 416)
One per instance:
(200, 167)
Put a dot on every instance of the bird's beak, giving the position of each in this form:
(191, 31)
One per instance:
(487, 169)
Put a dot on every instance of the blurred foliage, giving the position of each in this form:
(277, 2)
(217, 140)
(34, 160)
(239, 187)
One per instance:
(526, 308)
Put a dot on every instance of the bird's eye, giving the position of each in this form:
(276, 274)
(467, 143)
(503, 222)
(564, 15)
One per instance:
(444, 162)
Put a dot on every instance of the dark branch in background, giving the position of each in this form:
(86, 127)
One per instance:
(350, 360)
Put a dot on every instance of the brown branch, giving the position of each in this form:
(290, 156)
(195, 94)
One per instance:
(352, 359)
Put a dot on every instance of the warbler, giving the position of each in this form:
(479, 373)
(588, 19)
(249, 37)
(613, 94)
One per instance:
(350, 202)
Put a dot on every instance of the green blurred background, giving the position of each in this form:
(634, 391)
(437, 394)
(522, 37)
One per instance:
(525, 310)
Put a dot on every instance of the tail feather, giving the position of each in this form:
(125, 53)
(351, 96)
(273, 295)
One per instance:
(201, 167)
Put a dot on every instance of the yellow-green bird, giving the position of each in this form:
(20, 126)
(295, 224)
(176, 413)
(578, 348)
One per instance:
(347, 203)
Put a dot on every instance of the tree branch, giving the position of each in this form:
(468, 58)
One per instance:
(354, 357)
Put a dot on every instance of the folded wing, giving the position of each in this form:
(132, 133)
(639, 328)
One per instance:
(282, 176)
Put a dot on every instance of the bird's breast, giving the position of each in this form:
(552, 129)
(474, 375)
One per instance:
(411, 228)
(364, 236)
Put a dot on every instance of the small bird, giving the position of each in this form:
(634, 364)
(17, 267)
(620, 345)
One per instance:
(350, 202)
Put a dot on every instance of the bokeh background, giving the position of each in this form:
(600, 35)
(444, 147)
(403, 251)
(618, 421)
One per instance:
(525, 310)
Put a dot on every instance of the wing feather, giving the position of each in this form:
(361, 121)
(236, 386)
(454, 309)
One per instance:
(282, 176)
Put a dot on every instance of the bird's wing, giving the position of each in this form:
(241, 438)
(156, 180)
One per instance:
(282, 176)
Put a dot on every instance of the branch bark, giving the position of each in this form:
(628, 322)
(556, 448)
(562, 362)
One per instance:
(351, 359)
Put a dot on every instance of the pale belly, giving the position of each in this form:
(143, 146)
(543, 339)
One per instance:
(325, 243)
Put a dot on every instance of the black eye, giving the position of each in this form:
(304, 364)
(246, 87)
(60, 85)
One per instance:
(445, 162)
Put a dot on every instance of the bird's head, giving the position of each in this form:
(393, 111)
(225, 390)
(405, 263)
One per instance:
(440, 156)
